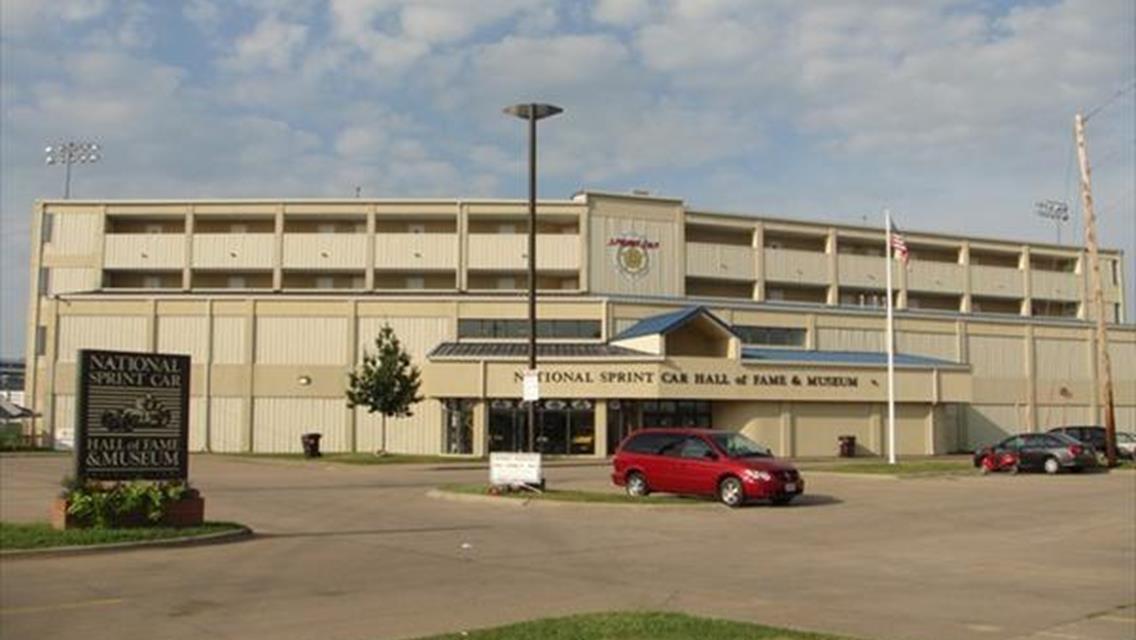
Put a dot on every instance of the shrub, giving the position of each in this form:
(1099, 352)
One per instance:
(129, 504)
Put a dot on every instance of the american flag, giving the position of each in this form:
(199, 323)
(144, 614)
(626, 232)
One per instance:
(898, 244)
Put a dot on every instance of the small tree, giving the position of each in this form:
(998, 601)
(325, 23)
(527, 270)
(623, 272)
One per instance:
(386, 382)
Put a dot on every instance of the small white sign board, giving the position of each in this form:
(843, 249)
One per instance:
(514, 468)
(530, 392)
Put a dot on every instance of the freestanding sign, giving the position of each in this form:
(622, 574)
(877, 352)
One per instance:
(511, 469)
(132, 416)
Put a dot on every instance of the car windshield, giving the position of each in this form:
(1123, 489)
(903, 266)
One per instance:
(738, 446)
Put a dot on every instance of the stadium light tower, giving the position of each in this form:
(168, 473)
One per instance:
(1056, 211)
(69, 153)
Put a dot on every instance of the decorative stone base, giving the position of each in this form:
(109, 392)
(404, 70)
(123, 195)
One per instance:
(187, 512)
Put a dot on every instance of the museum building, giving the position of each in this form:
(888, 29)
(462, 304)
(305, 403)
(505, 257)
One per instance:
(650, 314)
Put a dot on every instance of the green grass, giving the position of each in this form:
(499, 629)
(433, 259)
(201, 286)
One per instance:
(560, 495)
(359, 458)
(634, 626)
(901, 468)
(40, 535)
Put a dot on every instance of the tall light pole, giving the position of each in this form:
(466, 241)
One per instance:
(1104, 366)
(532, 111)
(1054, 210)
(69, 153)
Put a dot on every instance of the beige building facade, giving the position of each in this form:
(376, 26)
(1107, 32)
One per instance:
(650, 314)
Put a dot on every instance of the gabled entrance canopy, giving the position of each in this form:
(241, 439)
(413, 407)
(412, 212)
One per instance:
(693, 331)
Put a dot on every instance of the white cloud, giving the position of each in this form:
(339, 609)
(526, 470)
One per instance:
(621, 12)
(272, 45)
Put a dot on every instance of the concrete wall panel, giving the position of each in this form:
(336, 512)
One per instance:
(278, 423)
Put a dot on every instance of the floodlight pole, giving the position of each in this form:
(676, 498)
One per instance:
(67, 154)
(532, 112)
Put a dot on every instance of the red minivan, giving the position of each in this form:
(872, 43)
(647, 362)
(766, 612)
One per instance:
(725, 464)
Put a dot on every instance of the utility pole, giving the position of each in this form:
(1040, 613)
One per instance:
(1104, 368)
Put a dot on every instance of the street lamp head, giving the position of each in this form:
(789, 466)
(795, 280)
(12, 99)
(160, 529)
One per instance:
(533, 110)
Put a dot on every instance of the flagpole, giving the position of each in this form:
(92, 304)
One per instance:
(890, 344)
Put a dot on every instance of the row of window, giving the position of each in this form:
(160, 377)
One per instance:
(502, 328)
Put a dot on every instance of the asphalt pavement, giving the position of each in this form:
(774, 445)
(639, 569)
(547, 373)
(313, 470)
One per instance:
(352, 552)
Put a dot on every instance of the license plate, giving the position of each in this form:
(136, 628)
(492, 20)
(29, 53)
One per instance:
(790, 486)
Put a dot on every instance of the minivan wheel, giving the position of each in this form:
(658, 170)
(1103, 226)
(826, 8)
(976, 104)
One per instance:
(637, 485)
(730, 492)
(1052, 466)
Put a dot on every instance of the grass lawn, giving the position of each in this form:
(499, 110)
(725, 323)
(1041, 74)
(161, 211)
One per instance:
(40, 535)
(901, 468)
(559, 495)
(359, 458)
(634, 626)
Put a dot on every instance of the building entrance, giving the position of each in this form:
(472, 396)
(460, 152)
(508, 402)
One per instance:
(563, 427)
(626, 416)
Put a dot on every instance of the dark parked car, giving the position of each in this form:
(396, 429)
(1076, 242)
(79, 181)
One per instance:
(1049, 452)
(1096, 437)
(724, 464)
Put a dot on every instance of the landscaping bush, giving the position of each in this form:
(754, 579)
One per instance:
(120, 505)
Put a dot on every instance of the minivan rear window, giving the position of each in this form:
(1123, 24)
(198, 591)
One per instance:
(652, 443)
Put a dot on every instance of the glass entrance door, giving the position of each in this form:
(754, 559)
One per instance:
(506, 426)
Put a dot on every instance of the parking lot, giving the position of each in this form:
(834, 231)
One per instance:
(361, 552)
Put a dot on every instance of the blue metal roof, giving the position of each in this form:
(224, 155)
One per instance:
(842, 357)
(667, 322)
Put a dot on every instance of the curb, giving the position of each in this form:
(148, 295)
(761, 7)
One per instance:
(220, 537)
(453, 496)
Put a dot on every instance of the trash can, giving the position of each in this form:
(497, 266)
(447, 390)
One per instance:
(847, 446)
(311, 444)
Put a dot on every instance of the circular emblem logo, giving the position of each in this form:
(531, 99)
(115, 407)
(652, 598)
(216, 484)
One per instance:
(632, 254)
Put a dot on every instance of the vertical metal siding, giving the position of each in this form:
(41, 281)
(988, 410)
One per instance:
(997, 356)
(65, 417)
(197, 424)
(988, 424)
(228, 340)
(225, 424)
(933, 345)
(184, 334)
(1061, 360)
(126, 333)
(830, 339)
(279, 423)
(301, 340)
(69, 279)
(75, 233)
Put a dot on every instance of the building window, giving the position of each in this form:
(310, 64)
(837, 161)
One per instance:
(504, 329)
(237, 282)
(772, 336)
(48, 227)
(152, 282)
(676, 413)
(44, 283)
(238, 227)
(415, 282)
(563, 426)
(326, 227)
(507, 282)
(325, 282)
(41, 340)
(416, 228)
(457, 425)
(863, 298)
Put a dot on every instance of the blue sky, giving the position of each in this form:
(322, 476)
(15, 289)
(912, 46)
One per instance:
(956, 114)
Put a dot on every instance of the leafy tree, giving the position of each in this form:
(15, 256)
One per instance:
(386, 382)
